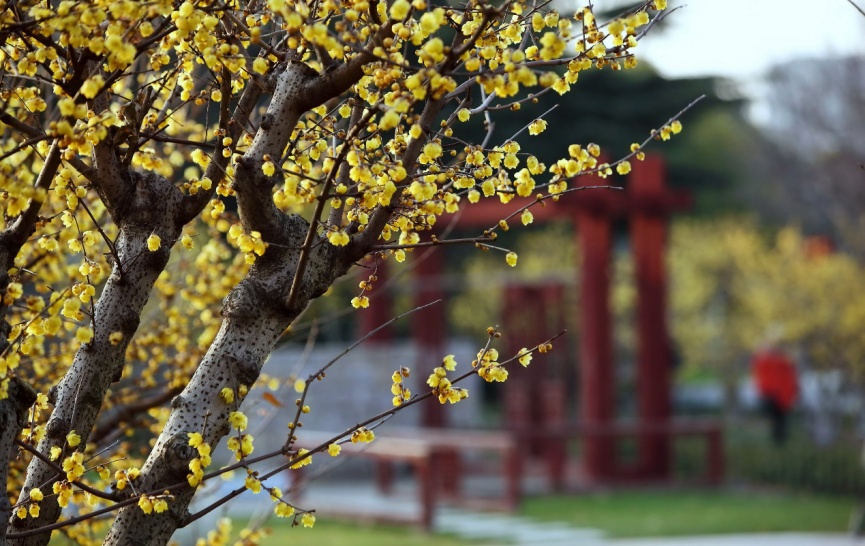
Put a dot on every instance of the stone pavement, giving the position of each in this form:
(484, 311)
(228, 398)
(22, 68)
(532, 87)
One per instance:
(506, 529)
(764, 539)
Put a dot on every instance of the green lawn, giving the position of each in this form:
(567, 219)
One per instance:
(619, 514)
(333, 533)
(669, 513)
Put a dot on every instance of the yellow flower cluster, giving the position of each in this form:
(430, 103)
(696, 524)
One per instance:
(123, 477)
(250, 243)
(22, 512)
(361, 301)
(303, 462)
(283, 510)
(240, 445)
(400, 392)
(488, 366)
(198, 464)
(441, 385)
(63, 490)
(150, 504)
(668, 131)
(74, 466)
(362, 435)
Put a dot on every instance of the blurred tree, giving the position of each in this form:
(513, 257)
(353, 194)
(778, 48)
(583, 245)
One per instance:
(732, 285)
(813, 171)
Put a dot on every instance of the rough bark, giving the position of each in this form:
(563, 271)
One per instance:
(254, 316)
(13, 417)
(20, 396)
(154, 206)
(253, 320)
(141, 205)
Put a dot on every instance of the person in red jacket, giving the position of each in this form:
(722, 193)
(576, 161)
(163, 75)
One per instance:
(775, 379)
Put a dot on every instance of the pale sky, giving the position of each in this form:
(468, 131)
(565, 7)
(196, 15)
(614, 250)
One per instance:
(743, 39)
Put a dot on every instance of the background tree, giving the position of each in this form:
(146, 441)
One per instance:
(816, 179)
(734, 284)
(331, 128)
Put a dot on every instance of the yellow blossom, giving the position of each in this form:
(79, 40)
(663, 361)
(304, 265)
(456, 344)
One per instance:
(91, 87)
(260, 65)
(73, 439)
(195, 439)
(623, 168)
(537, 127)
(238, 420)
(253, 484)
(399, 10)
(145, 504)
(283, 510)
(303, 462)
(227, 395)
(338, 238)
(449, 363)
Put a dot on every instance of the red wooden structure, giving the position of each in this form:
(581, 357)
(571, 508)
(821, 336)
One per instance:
(538, 402)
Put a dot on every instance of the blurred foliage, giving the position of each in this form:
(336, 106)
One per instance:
(547, 255)
(799, 464)
(732, 285)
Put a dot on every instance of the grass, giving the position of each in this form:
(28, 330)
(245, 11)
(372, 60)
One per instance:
(334, 533)
(619, 514)
(670, 513)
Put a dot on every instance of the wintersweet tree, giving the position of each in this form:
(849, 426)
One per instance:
(279, 143)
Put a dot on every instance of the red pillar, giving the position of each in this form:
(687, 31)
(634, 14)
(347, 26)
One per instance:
(519, 323)
(428, 329)
(380, 308)
(654, 373)
(596, 386)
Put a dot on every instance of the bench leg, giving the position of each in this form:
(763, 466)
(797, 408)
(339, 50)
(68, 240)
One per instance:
(384, 477)
(513, 479)
(426, 488)
(715, 457)
(449, 469)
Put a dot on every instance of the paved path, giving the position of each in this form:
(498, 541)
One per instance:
(767, 539)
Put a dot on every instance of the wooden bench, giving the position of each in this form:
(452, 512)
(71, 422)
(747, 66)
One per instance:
(435, 457)
(449, 445)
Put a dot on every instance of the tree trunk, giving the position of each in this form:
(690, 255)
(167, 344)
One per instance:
(254, 317)
(13, 417)
(78, 397)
